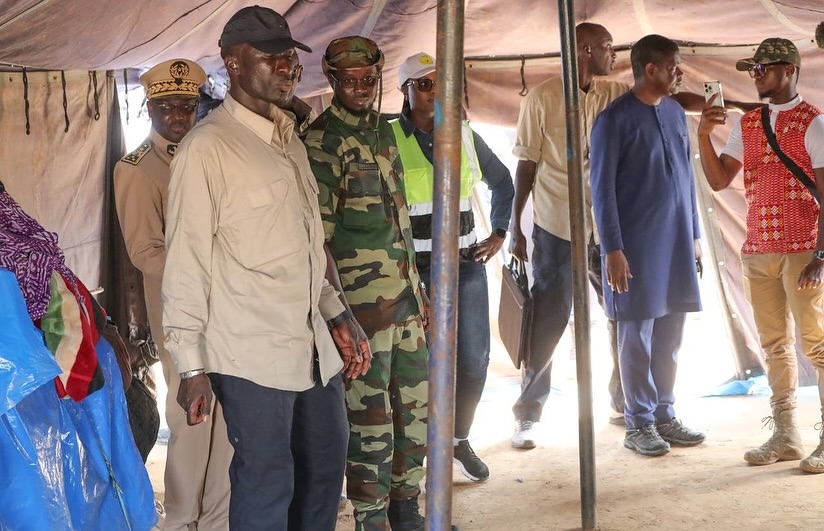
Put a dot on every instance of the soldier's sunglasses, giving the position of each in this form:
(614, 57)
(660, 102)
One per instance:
(351, 82)
(424, 84)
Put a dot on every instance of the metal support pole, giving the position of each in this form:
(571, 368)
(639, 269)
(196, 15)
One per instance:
(444, 278)
(580, 286)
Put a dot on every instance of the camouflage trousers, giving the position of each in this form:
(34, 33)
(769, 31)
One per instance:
(387, 411)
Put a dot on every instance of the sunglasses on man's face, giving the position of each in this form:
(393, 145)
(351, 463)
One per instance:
(351, 82)
(757, 71)
(424, 84)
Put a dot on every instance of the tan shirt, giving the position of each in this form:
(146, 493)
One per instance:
(541, 138)
(141, 179)
(244, 292)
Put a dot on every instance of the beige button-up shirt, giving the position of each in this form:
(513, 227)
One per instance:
(244, 292)
(541, 138)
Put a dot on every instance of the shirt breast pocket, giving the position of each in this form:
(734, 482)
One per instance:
(363, 206)
(258, 233)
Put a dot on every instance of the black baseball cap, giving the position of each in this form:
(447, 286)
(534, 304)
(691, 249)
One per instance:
(261, 28)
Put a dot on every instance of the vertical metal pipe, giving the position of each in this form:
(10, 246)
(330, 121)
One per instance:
(580, 288)
(444, 277)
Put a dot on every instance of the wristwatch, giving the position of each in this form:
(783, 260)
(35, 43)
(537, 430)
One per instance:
(501, 233)
(818, 255)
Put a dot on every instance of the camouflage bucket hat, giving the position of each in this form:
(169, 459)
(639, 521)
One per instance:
(352, 52)
(771, 51)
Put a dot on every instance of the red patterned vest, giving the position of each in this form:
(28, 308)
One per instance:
(782, 216)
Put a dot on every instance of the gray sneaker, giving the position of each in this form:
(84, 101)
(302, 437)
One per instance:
(674, 432)
(646, 441)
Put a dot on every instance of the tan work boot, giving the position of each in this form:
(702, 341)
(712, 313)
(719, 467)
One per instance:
(785, 443)
(814, 463)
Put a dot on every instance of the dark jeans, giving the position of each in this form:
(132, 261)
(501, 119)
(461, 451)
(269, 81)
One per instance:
(290, 454)
(552, 305)
(473, 342)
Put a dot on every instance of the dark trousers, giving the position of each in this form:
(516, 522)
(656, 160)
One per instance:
(473, 342)
(290, 454)
(648, 352)
(552, 305)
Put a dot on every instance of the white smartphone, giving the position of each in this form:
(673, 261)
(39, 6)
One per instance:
(711, 88)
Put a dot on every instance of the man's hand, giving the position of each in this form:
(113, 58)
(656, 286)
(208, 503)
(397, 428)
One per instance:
(699, 255)
(711, 116)
(426, 313)
(195, 397)
(485, 250)
(618, 273)
(353, 346)
(517, 244)
(812, 275)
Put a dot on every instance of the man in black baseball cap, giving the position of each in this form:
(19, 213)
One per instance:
(248, 315)
(263, 28)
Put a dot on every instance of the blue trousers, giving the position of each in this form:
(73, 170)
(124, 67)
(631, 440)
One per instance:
(552, 305)
(648, 355)
(290, 454)
(473, 341)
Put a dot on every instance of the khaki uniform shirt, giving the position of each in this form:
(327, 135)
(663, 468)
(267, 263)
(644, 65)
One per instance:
(244, 292)
(541, 138)
(141, 179)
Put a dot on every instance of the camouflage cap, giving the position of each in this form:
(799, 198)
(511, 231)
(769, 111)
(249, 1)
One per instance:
(177, 77)
(352, 52)
(770, 51)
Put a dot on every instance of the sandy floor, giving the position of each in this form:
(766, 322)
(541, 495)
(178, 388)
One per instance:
(708, 487)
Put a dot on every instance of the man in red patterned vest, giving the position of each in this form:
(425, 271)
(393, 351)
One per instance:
(783, 256)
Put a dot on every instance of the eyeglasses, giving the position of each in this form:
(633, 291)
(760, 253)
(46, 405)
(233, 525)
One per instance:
(351, 82)
(169, 108)
(757, 71)
(424, 84)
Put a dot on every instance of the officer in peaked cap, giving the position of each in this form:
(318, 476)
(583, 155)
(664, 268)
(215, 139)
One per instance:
(141, 180)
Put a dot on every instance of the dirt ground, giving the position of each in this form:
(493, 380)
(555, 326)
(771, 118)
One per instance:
(708, 487)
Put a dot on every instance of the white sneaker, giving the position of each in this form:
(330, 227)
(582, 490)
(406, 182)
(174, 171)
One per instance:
(524, 436)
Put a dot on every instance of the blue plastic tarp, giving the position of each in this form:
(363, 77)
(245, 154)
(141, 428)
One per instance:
(64, 465)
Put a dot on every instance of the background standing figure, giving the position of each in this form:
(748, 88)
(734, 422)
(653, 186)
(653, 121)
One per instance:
(542, 171)
(196, 479)
(414, 133)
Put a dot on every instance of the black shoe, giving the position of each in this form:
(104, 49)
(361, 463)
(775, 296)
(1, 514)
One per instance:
(470, 464)
(404, 515)
(674, 432)
(646, 441)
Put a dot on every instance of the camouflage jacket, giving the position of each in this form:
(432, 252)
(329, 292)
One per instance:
(365, 217)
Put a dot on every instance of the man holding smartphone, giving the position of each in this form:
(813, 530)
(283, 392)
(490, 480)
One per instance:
(783, 255)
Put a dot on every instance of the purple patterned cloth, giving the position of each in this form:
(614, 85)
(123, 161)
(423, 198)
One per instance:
(31, 253)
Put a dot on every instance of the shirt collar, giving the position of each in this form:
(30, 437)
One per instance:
(280, 127)
(164, 148)
(779, 107)
(367, 121)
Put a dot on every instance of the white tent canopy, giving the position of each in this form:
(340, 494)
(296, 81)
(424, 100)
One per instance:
(85, 47)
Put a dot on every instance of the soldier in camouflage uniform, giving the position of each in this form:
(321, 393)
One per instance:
(355, 160)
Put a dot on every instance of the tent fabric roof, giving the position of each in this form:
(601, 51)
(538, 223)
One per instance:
(95, 35)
